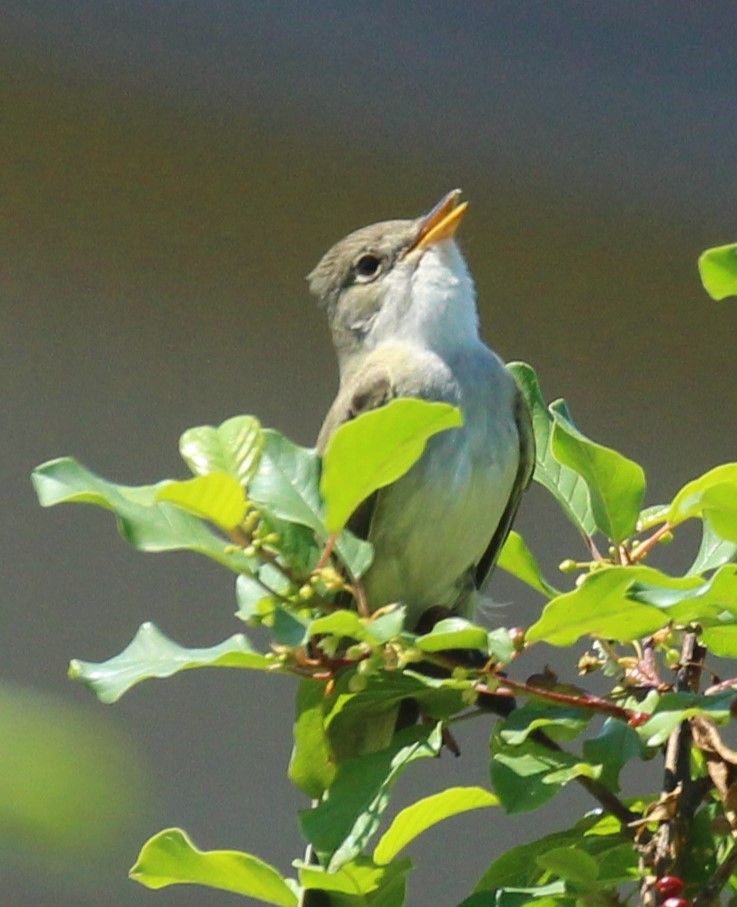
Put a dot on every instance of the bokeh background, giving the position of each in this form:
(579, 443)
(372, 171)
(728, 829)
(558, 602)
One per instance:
(168, 174)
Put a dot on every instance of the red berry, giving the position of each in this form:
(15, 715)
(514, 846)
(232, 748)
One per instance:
(669, 887)
(676, 902)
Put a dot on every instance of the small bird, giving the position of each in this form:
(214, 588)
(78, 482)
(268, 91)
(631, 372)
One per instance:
(401, 306)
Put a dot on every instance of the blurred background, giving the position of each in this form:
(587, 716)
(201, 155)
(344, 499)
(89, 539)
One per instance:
(169, 172)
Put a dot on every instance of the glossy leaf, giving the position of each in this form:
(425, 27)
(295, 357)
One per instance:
(517, 559)
(170, 858)
(311, 768)
(572, 865)
(713, 496)
(713, 552)
(616, 484)
(721, 640)
(528, 775)
(559, 722)
(614, 746)
(690, 601)
(520, 867)
(343, 823)
(287, 486)
(566, 486)
(674, 708)
(412, 821)
(718, 271)
(375, 449)
(233, 447)
(453, 633)
(151, 654)
(144, 523)
(599, 607)
(216, 497)
(362, 879)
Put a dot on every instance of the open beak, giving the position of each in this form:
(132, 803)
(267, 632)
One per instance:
(440, 223)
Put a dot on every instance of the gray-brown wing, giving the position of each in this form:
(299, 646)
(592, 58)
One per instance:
(372, 389)
(524, 477)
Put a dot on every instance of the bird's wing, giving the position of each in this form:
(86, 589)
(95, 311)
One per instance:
(374, 388)
(525, 469)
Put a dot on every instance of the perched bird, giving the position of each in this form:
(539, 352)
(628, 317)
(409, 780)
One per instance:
(401, 306)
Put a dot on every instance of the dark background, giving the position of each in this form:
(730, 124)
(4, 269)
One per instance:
(169, 171)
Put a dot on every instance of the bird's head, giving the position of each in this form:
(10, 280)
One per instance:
(400, 280)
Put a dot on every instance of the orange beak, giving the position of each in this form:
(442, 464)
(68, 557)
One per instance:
(442, 222)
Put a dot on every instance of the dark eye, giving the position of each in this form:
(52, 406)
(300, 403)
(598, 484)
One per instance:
(367, 267)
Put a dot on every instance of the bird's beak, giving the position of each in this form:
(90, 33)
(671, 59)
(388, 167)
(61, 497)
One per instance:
(440, 223)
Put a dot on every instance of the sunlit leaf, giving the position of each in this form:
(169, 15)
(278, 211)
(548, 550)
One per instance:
(616, 484)
(517, 559)
(614, 745)
(417, 818)
(151, 654)
(692, 601)
(528, 775)
(286, 485)
(600, 607)
(343, 823)
(713, 552)
(361, 878)
(718, 271)
(559, 722)
(144, 523)
(375, 449)
(216, 497)
(713, 496)
(453, 633)
(674, 708)
(571, 864)
(233, 447)
(566, 486)
(311, 768)
(170, 858)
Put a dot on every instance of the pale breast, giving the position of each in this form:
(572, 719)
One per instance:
(435, 523)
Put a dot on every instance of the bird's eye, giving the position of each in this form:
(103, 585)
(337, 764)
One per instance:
(367, 267)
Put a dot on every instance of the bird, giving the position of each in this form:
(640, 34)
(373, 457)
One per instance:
(401, 307)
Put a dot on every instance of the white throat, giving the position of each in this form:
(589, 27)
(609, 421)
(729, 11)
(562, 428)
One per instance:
(430, 302)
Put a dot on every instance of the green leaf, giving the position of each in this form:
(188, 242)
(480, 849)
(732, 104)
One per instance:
(517, 559)
(286, 482)
(287, 486)
(713, 497)
(341, 623)
(170, 858)
(566, 486)
(714, 551)
(614, 746)
(311, 768)
(616, 485)
(674, 708)
(144, 523)
(572, 865)
(216, 497)
(721, 640)
(528, 775)
(559, 722)
(600, 607)
(417, 818)
(233, 447)
(453, 633)
(151, 654)
(361, 878)
(375, 449)
(520, 867)
(718, 271)
(691, 601)
(342, 824)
